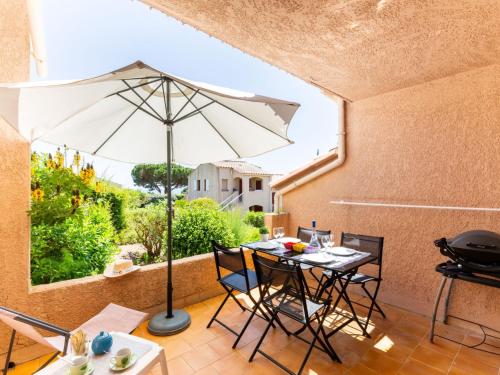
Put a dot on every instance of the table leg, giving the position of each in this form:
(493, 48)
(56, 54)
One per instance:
(163, 363)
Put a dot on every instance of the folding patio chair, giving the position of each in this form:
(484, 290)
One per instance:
(304, 234)
(374, 246)
(284, 292)
(113, 318)
(240, 279)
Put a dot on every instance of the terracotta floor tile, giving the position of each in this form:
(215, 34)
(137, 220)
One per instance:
(432, 358)
(476, 356)
(461, 367)
(413, 367)
(445, 347)
(360, 369)
(178, 366)
(381, 363)
(175, 346)
(201, 356)
(209, 370)
(399, 344)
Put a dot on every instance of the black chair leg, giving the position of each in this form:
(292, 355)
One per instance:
(262, 338)
(9, 352)
(374, 299)
(218, 310)
(373, 303)
(311, 346)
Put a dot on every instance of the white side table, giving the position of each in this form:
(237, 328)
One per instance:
(149, 354)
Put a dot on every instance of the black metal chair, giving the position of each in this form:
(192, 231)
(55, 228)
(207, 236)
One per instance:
(240, 279)
(284, 292)
(374, 246)
(304, 234)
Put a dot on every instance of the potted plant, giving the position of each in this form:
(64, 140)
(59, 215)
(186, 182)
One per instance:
(264, 233)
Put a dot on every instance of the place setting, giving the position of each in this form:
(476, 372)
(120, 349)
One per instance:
(95, 356)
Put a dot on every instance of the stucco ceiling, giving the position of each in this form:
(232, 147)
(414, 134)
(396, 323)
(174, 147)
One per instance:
(355, 48)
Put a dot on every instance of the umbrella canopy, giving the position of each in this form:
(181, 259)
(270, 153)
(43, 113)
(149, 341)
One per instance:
(120, 115)
(139, 114)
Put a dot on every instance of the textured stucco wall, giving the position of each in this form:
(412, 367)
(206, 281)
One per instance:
(356, 48)
(430, 144)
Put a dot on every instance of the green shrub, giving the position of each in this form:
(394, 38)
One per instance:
(242, 231)
(81, 245)
(196, 224)
(116, 207)
(149, 224)
(255, 219)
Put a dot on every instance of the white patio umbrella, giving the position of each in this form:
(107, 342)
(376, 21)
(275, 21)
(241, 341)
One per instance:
(139, 114)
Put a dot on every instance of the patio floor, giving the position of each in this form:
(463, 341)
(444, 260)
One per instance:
(399, 345)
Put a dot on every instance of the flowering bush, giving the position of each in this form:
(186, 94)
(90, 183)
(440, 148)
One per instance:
(72, 233)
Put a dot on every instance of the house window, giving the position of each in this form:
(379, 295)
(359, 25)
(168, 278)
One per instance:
(224, 184)
(255, 183)
(206, 184)
(258, 185)
(194, 184)
(198, 185)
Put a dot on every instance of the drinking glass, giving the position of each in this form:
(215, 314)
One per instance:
(276, 233)
(327, 240)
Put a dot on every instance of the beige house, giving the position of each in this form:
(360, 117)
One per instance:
(232, 184)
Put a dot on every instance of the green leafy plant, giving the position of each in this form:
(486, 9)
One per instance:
(263, 230)
(255, 219)
(149, 224)
(79, 246)
(196, 224)
(242, 231)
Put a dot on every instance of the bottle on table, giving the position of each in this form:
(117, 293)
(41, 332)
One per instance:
(314, 242)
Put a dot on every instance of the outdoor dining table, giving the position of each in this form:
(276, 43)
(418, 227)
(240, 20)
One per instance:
(342, 269)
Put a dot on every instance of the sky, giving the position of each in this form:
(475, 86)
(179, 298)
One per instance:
(92, 37)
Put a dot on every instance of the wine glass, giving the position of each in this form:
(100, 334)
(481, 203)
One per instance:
(327, 240)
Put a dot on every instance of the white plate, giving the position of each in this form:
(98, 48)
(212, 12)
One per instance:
(287, 239)
(319, 258)
(341, 251)
(115, 368)
(90, 369)
(265, 245)
(108, 272)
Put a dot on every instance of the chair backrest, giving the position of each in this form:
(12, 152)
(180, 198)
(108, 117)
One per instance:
(284, 279)
(367, 244)
(304, 234)
(26, 325)
(231, 260)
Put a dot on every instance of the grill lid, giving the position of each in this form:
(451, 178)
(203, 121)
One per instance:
(481, 240)
(476, 250)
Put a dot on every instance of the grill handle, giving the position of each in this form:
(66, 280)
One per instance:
(481, 246)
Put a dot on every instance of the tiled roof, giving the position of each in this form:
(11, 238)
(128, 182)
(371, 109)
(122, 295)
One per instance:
(241, 167)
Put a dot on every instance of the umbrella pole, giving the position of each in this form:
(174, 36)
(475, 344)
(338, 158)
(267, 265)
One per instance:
(171, 321)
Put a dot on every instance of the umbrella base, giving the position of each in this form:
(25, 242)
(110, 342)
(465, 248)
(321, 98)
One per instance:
(160, 325)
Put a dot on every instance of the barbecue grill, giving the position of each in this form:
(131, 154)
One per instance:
(475, 258)
(474, 251)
